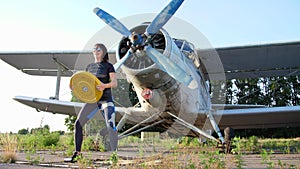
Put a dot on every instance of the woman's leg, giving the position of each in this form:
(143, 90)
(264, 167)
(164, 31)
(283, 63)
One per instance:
(85, 114)
(109, 114)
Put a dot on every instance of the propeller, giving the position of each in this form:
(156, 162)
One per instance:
(137, 41)
(170, 67)
(112, 22)
(159, 21)
(121, 61)
(162, 18)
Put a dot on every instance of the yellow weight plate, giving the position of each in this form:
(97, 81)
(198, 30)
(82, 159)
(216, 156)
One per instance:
(84, 87)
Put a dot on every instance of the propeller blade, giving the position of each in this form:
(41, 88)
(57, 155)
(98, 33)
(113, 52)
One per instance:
(113, 139)
(112, 22)
(171, 68)
(162, 18)
(121, 61)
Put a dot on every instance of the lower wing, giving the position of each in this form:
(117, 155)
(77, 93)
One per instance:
(271, 117)
(240, 118)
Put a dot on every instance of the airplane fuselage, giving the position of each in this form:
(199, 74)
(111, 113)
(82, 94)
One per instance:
(156, 90)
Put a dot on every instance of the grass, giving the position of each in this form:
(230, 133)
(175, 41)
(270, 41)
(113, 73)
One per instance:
(9, 146)
(162, 153)
(286, 146)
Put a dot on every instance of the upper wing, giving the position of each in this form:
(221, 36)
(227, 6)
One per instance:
(48, 63)
(288, 116)
(267, 60)
(254, 61)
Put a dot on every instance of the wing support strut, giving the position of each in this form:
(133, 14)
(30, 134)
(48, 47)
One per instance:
(137, 125)
(141, 129)
(215, 125)
(60, 68)
(122, 122)
(192, 127)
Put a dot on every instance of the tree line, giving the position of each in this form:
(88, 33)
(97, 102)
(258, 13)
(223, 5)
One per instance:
(267, 91)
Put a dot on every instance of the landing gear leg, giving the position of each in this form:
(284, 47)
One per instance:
(229, 135)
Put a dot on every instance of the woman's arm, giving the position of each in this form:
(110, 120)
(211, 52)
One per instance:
(112, 84)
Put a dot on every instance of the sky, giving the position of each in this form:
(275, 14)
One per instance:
(56, 25)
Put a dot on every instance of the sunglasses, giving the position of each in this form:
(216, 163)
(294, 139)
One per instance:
(97, 49)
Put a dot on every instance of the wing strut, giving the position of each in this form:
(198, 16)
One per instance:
(152, 116)
(141, 129)
(122, 122)
(60, 68)
(215, 125)
(192, 127)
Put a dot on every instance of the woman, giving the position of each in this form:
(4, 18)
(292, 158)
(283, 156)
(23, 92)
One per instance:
(105, 72)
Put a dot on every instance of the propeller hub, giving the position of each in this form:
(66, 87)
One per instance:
(136, 39)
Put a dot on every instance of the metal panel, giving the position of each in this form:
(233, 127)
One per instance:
(260, 73)
(267, 60)
(281, 59)
(48, 105)
(261, 57)
(51, 72)
(44, 63)
(261, 117)
(40, 60)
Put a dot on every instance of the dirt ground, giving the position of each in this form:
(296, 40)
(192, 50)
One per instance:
(131, 159)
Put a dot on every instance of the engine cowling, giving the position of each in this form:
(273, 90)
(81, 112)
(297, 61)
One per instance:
(139, 60)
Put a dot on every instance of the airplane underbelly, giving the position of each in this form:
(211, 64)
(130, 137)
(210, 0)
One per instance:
(152, 78)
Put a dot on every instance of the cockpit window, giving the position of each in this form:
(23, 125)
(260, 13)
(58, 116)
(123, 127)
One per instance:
(184, 45)
(188, 50)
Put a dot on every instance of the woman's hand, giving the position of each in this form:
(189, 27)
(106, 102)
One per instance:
(101, 86)
(111, 84)
(71, 87)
